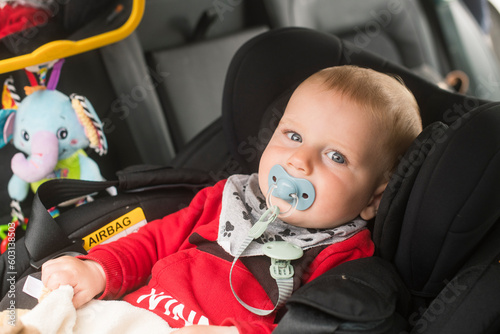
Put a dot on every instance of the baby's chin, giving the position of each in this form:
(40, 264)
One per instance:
(303, 219)
(311, 225)
(293, 222)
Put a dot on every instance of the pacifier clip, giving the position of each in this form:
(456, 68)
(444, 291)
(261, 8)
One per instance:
(300, 194)
(280, 252)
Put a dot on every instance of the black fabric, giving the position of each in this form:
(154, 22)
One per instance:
(472, 297)
(302, 319)
(269, 123)
(364, 295)
(453, 203)
(44, 228)
(394, 201)
(143, 176)
(442, 200)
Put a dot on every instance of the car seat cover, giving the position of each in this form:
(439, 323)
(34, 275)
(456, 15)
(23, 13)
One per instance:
(453, 203)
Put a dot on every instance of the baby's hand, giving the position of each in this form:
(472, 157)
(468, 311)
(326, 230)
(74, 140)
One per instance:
(86, 277)
(201, 329)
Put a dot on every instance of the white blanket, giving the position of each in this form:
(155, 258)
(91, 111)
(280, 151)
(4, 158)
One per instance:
(55, 314)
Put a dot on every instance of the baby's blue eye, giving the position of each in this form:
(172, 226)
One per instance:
(336, 157)
(294, 136)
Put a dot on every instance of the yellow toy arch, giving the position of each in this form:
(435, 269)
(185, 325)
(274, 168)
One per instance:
(65, 48)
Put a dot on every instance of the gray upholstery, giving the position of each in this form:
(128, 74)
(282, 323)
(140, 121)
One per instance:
(169, 87)
(170, 23)
(196, 79)
(396, 30)
(137, 102)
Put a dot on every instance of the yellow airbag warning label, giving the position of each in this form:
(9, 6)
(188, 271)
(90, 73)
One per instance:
(120, 227)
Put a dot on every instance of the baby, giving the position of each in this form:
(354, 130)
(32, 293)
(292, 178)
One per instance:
(341, 135)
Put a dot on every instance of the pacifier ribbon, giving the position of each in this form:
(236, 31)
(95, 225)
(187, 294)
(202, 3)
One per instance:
(280, 252)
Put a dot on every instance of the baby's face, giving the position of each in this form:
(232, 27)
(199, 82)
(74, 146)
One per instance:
(328, 140)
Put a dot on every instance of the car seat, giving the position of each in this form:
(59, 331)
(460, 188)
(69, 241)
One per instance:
(438, 219)
(436, 223)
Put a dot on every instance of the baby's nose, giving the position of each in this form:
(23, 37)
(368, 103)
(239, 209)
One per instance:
(301, 160)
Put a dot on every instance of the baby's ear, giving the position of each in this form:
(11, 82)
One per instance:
(371, 209)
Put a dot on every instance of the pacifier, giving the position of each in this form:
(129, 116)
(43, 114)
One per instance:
(298, 192)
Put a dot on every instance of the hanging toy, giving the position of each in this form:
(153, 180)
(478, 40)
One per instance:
(300, 194)
(51, 130)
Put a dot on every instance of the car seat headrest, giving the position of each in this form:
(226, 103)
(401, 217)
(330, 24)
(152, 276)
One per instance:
(445, 200)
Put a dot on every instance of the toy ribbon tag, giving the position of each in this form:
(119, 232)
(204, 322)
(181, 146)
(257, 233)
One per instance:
(6, 125)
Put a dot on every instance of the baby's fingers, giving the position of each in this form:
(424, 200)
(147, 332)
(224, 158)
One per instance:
(59, 272)
(86, 277)
(82, 297)
(54, 280)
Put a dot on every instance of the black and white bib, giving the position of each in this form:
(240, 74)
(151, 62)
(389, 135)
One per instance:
(243, 204)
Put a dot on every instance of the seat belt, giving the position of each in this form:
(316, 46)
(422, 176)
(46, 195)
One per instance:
(43, 226)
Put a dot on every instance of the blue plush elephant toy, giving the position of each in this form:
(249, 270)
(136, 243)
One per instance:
(51, 130)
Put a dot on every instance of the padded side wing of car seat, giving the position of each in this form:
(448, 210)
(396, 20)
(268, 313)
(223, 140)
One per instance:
(470, 302)
(389, 220)
(454, 202)
(360, 296)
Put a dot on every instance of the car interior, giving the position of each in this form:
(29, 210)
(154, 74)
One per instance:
(190, 96)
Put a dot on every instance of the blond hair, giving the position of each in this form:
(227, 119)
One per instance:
(389, 101)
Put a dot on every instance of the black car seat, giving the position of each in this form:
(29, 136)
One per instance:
(437, 225)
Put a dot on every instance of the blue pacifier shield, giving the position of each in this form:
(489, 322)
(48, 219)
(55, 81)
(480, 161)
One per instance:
(286, 185)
